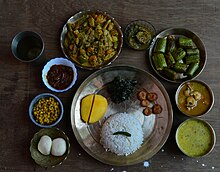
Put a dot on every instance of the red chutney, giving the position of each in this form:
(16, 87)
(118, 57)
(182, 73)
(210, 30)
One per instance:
(60, 76)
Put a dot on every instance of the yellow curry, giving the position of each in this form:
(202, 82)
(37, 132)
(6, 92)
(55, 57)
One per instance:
(195, 138)
(194, 98)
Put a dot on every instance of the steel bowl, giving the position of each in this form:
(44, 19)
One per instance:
(77, 16)
(193, 137)
(185, 33)
(210, 105)
(147, 25)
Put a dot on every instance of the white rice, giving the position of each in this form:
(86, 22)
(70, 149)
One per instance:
(134, 109)
(121, 144)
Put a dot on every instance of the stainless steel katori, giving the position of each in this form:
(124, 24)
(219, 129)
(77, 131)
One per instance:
(28, 47)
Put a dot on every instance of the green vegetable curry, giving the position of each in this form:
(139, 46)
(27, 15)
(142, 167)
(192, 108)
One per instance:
(139, 37)
(92, 40)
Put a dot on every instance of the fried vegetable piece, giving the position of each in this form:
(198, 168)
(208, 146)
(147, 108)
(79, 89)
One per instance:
(192, 59)
(147, 99)
(169, 59)
(156, 109)
(192, 51)
(160, 46)
(147, 111)
(180, 67)
(152, 96)
(171, 43)
(159, 61)
(192, 69)
(142, 95)
(170, 73)
(185, 42)
(145, 103)
(179, 54)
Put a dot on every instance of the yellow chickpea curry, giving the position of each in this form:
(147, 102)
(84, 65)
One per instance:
(92, 40)
(194, 98)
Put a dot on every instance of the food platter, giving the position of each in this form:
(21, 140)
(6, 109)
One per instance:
(180, 32)
(156, 128)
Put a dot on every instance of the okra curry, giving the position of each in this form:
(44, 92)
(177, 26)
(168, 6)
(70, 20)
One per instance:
(194, 98)
(92, 40)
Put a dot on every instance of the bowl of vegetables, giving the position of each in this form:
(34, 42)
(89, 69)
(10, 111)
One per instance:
(139, 34)
(91, 39)
(177, 55)
(46, 110)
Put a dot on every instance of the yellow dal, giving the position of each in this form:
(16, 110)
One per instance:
(194, 138)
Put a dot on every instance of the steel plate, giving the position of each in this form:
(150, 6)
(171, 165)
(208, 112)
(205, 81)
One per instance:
(156, 128)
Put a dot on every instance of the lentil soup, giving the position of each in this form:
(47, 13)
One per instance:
(195, 138)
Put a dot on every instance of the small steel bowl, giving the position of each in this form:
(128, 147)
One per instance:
(177, 32)
(76, 17)
(48, 160)
(191, 131)
(145, 24)
(203, 110)
(28, 47)
(58, 61)
(35, 100)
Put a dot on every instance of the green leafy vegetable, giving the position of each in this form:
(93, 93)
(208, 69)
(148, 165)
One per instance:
(120, 89)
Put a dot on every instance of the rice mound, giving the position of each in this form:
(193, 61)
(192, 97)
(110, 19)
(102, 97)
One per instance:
(121, 144)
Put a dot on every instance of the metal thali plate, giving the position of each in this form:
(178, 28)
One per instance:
(156, 128)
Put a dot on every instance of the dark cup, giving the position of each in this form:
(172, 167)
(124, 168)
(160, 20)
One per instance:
(28, 46)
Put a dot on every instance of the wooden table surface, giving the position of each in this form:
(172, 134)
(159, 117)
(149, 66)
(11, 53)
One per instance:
(21, 82)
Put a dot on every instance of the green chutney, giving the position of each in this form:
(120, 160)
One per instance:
(195, 138)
